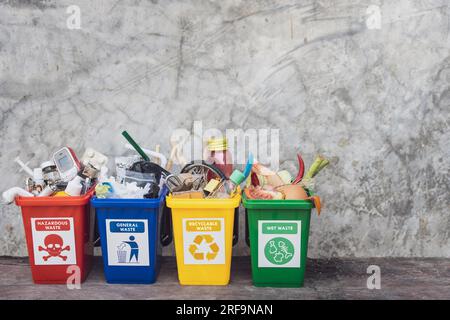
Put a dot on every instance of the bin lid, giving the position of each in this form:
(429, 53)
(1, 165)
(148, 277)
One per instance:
(55, 201)
(129, 203)
(213, 203)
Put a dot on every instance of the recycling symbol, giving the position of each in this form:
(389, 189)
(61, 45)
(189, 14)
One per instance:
(279, 251)
(198, 251)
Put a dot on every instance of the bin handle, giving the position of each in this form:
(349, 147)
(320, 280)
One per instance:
(166, 236)
(95, 241)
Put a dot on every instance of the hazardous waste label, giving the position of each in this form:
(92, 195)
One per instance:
(279, 244)
(127, 242)
(52, 224)
(204, 241)
(53, 241)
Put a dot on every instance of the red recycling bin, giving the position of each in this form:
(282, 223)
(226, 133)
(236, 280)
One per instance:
(59, 233)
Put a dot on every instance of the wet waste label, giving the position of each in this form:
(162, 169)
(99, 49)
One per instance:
(53, 241)
(127, 242)
(279, 243)
(204, 241)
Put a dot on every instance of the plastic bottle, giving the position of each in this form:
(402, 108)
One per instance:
(220, 156)
(74, 187)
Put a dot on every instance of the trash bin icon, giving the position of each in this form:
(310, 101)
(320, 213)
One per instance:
(128, 248)
(121, 254)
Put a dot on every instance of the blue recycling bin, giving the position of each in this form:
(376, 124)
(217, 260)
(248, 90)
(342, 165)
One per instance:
(130, 238)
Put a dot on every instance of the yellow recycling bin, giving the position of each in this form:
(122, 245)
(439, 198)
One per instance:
(203, 233)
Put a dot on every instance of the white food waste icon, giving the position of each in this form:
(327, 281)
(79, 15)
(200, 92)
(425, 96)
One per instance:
(279, 253)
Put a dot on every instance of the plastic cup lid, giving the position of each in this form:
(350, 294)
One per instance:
(217, 144)
(47, 164)
(237, 177)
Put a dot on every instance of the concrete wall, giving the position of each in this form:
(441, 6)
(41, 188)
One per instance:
(374, 98)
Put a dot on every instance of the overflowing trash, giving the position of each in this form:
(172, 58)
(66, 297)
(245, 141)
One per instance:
(66, 175)
(62, 176)
(203, 180)
(136, 176)
(210, 178)
(265, 184)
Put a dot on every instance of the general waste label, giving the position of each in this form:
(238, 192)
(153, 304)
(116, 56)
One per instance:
(53, 241)
(127, 242)
(279, 243)
(204, 241)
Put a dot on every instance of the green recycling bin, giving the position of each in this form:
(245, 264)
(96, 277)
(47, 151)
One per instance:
(279, 232)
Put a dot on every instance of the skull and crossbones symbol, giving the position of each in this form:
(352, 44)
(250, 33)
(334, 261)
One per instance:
(54, 247)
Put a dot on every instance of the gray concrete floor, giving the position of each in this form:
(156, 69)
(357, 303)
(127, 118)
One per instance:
(401, 278)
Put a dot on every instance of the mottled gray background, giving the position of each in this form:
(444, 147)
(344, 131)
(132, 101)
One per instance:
(375, 101)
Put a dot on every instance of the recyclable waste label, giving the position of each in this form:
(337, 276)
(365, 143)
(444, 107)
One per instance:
(204, 241)
(53, 241)
(127, 242)
(279, 243)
